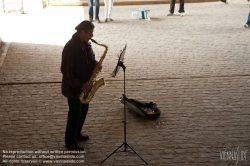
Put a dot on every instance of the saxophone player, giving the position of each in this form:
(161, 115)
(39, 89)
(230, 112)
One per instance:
(78, 62)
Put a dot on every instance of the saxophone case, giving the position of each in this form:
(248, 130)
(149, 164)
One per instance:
(143, 109)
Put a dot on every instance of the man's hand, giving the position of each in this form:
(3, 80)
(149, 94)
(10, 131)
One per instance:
(86, 88)
(100, 69)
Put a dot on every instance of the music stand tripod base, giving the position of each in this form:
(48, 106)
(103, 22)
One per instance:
(120, 63)
(126, 144)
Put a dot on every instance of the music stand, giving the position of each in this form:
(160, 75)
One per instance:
(121, 64)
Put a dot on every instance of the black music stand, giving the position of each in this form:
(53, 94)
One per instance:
(120, 64)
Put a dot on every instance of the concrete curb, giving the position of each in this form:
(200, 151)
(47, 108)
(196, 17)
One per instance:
(3, 51)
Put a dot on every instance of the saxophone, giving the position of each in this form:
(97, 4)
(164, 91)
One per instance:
(86, 97)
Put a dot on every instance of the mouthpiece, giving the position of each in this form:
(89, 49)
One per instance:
(93, 40)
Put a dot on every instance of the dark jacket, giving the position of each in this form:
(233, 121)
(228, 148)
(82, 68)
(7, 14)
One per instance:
(75, 68)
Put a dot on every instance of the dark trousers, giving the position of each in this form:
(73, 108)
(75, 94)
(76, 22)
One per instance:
(248, 19)
(76, 117)
(172, 4)
(97, 8)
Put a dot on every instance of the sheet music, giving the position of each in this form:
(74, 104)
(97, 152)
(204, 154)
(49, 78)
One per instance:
(120, 57)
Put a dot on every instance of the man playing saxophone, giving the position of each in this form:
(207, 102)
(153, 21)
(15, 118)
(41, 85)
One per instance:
(77, 65)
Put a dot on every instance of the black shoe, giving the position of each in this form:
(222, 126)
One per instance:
(82, 137)
(74, 146)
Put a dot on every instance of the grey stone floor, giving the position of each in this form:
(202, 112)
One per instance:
(196, 68)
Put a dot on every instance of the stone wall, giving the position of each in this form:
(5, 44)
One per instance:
(23, 6)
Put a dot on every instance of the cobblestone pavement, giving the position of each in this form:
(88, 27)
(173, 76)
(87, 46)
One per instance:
(196, 68)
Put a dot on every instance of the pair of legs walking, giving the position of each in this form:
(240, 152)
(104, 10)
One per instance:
(108, 9)
(172, 6)
(91, 10)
